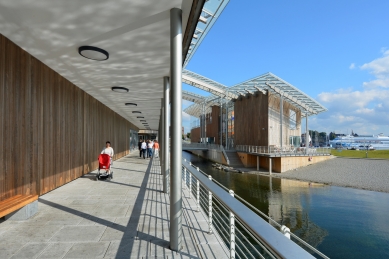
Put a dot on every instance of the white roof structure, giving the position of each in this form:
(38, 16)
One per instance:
(264, 83)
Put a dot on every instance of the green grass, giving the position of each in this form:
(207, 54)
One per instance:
(382, 154)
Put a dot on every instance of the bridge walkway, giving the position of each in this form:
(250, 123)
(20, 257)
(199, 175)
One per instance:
(127, 217)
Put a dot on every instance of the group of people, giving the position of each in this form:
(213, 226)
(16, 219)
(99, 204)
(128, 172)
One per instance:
(146, 148)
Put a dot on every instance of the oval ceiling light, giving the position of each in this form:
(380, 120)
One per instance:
(119, 89)
(93, 53)
(136, 112)
(131, 104)
(142, 120)
(140, 117)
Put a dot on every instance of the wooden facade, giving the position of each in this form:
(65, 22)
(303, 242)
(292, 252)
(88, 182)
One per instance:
(51, 131)
(213, 126)
(257, 121)
(251, 121)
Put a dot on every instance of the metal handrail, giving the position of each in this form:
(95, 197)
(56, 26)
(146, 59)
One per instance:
(285, 150)
(274, 241)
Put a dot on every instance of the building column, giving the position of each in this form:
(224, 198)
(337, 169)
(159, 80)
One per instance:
(226, 123)
(306, 133)
(176, 123)
(281, 117)
(221, 122)
(165, 147)
(160, 138)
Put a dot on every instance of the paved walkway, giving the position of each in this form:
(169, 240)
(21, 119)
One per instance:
(127, 217)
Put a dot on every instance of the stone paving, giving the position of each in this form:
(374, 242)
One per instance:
(127, 217)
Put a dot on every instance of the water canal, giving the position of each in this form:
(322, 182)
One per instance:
(340, 222)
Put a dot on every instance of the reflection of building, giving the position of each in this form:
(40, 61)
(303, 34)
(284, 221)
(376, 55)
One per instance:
(286, 202)
(147, 134)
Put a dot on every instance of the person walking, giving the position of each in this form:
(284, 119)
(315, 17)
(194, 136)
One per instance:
(108, 151)
(144, 148)
(150, 148)
(140, 148)
(156, 148)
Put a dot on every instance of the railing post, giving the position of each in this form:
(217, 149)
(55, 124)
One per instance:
(190, 185)
(198, 195)
(285, 231)
(210, 208)
(232, 231)
(185, 178)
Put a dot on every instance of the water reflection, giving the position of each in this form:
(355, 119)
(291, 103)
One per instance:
(340, 222)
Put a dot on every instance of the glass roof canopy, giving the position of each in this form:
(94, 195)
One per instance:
(266, 83)
(211, 11)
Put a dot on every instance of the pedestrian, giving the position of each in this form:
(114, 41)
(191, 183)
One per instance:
(150, 149)
(108, 150)
(140, 148)
(144, 148)
(156, 148)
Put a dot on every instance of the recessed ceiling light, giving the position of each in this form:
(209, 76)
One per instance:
(140, 117)
(136, 112)
(142, 120)
(119, 89)
(94, 53)
(131, 104)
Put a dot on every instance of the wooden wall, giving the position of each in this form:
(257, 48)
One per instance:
(51, 131)
(213, 125)
(195, 135)
(251, 120)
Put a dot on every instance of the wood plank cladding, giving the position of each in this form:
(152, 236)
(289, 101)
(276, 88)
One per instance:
(251, 120)
(51, 131)
(213, 126)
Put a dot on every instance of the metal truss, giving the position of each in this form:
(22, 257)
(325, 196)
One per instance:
(206, 84)
(271, 83)
(211, 11)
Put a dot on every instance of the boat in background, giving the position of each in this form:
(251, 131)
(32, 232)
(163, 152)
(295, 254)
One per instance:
(370, 142)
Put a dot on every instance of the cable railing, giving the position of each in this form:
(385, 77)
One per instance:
(284, 151)
(239, 224)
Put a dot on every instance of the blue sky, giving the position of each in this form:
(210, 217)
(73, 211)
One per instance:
(335, 51)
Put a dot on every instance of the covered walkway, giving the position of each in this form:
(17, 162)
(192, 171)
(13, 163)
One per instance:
(127, 217)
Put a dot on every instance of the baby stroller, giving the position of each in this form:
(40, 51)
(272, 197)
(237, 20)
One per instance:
(104, 164)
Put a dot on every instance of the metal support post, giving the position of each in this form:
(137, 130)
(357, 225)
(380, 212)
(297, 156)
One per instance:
(221, 122)
(184, 177)
(306, 133)
(176, 124)
(257, 163)
(285, 231)
(281, 117)
(270, 165)
(232, 231)
(210, 208)
(161, 139)
(166, 143)
(198, 195)
(190, 185)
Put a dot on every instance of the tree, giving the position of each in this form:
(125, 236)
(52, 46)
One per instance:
(332, 135)
(188, 135)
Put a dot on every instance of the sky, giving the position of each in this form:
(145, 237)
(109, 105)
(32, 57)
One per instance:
(337, 52)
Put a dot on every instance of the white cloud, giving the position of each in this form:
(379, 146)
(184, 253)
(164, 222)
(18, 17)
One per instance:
(380, 69)
(352, 66)
(363, 111)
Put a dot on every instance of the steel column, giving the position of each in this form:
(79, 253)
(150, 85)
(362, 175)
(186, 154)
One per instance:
(306, 133)
(176, 124)
(221, 122)
(161, 138)
(165, 146)
(281, 117)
